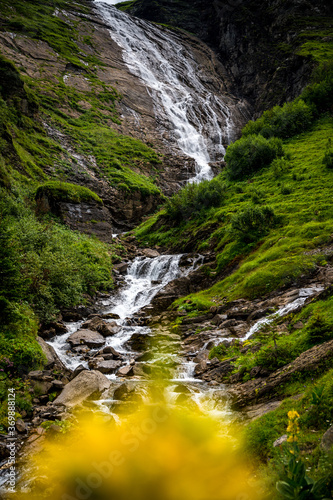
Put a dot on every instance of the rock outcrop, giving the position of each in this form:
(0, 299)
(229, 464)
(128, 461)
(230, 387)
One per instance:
(86, 384)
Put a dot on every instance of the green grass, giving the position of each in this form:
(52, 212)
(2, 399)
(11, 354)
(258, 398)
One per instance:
(64, 191)
(305, 223)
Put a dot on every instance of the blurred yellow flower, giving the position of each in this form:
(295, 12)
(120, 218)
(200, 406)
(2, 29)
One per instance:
(155, 454)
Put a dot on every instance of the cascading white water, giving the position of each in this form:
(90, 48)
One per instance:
(145, 278)
(192, 113)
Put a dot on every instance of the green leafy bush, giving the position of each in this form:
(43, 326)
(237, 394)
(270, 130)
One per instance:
(282, 121)
(318, 329)
(320, 92)
(252, 223)
(250, 154)
(328, 156)
(194, 198)
(273, 357)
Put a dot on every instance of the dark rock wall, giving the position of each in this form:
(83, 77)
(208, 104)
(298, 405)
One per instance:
(256, 40)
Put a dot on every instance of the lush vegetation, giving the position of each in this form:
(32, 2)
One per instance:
(64, 191)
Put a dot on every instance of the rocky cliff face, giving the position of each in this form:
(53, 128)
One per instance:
(93, 87)
(257, 41)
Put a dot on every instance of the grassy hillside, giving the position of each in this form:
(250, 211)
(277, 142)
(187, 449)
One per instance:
(268, 220)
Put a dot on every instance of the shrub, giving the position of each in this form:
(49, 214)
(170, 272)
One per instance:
(282, 121)
(328, 156)
(318, 329)
(252, 223)
(194, 198)
(320, 92)
(273, 357)
(250, 154)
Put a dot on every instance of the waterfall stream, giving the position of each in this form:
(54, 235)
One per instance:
(197, 120)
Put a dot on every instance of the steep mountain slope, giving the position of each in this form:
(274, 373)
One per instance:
(264, 45)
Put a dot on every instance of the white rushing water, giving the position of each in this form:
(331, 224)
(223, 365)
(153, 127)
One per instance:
(144, 279)
(194, 116)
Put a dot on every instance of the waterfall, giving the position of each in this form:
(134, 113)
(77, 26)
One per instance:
(184, 104)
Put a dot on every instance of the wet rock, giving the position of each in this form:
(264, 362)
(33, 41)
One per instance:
(138, 341)
(109, 329)
(122, 392)
(216, 370)
(110, 350)
(125, 371)
(53, 361)
(121, 268)
(21, 427)
(148, 252)
(107, 367)
(182, 389)
(327, 440)
(87, 337)
(78, 369)
(71, 316)
(93, 323)
(81, 387)
(110, 316)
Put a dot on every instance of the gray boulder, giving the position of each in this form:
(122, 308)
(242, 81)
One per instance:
(81, 387)
(86, 337)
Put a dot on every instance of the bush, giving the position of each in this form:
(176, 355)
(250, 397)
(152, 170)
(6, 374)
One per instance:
(250, 154)
(318, 329)
(252, 223)
(320, 92)
(282, 121)
(328, 156)
(194, 198)
(273, 357)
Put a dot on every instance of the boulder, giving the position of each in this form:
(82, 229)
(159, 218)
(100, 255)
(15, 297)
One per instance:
(125, 371)
(21, 427)
(86, 384)
(109, 329)
(108, 367)
(93, 323)
(87, 337)
(53, 361)
(148, 252)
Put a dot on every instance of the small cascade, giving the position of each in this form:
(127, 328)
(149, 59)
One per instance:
(197, 120)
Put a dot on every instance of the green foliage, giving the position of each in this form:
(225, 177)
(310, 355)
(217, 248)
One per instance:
(252, 223)
(282, 121)
(250, 154)
(296, 485)
(320, 92)
(64, 191)
(45, 263)
(194, 198)
(273, 357)
(319, 329)
(328, 156)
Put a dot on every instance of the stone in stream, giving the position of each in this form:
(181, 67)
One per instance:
(53, 361)
(109, 329)
(125, 371)
(182, 389)
(107, 367)
(86, 337)
(148, 252)
(84, 385)
(110, 350)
